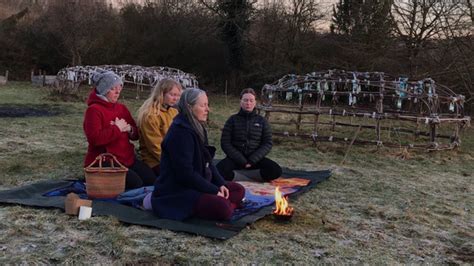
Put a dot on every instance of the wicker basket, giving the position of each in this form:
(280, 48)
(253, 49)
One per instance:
(105, 182)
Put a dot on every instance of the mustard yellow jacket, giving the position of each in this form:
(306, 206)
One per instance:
(152, 132)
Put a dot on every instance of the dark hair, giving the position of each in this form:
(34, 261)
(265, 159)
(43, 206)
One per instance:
(248, 90)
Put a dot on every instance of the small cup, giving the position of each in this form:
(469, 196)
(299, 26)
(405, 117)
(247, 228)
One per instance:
(85, 212)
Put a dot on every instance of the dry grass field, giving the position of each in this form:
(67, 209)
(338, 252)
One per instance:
(377, 208)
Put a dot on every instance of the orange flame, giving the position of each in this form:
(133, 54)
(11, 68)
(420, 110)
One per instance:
(282, 206)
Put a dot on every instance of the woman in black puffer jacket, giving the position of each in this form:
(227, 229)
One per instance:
(246, 140)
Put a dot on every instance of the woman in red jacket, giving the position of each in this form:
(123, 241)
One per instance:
(109, 127)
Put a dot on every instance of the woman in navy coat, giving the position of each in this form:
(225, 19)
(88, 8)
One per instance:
(189, 183)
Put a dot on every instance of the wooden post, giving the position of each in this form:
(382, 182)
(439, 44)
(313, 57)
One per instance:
(6, 76)
(267, 115)
(415, 132)
(298, 122)
(379, 112)
(318, 110)
(378, 131)
(433, 132)
(333, 123)
(457, 130)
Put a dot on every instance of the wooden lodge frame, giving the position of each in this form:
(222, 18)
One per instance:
(330, 98)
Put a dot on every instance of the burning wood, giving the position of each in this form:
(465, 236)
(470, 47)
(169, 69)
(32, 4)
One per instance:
(283, 209)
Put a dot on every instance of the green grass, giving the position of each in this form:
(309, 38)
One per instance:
(376, 208)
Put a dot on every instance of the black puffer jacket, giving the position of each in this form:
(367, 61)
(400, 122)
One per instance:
(246, 137)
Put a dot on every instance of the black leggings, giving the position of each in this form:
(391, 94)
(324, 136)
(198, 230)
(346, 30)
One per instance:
(139, 175)
(269, 169)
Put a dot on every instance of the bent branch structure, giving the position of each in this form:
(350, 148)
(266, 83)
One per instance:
(72, 77)
(382, 109)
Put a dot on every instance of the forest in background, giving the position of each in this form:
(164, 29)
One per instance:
(244, 43)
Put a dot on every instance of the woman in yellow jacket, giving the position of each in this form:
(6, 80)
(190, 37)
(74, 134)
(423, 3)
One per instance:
(154, 119)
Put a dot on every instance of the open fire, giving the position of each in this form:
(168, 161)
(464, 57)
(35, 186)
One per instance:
(283, 210)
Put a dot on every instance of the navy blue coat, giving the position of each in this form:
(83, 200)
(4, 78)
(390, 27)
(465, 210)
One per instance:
(186, 172)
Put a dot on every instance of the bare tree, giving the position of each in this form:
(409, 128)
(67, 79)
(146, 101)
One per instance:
(301, 17)
(456, 57)
(267, 41)
(78, 27)
(469, 10)
(417, 22)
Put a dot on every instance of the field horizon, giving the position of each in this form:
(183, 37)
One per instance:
(380, 206)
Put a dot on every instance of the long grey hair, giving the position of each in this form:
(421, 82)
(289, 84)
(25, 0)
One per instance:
(188, 99)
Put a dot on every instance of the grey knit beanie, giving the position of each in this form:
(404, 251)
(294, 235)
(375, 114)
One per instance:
(105, 81)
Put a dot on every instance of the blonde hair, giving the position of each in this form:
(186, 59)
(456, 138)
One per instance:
(153, 103)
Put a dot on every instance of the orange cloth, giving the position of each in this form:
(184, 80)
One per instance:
(290, 182)
(287, 186)
(153, 129)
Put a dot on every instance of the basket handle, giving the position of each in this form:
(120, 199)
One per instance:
(102, 157)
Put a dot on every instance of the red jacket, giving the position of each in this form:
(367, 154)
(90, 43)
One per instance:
(104, 137)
